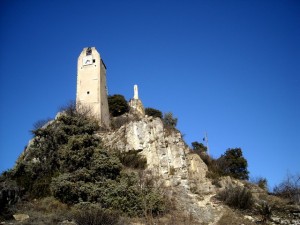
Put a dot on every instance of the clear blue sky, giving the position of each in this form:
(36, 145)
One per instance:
(228, 68)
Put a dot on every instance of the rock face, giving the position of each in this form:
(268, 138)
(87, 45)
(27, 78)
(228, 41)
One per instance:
(169, 159)
(166, 154)
(136, 107)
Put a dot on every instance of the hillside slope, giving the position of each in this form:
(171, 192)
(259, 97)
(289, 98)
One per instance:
(142, 172)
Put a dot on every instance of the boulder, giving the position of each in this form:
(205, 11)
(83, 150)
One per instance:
(21, 217)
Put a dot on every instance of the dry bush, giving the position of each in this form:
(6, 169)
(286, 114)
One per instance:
(260, 182)
(180, 218)
(289, 188)
(92, 214)
(117, 122)
(236, 197)
(233, 218)
(265, 210)
(46, 211)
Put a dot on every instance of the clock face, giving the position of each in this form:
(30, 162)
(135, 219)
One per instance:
(87, 60)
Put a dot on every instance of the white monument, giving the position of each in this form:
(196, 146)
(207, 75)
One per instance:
(136, 105)
(136, 92)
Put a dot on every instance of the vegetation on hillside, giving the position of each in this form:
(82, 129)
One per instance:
(289, 188)
(169, 120)
(153, 112)
(117, 105)
(198, 147)
(67, 161)
(237, 197)
(231, 163)
(65, 173)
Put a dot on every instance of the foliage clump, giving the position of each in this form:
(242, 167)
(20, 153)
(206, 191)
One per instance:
(198, 147)
(132, 159)
(233, 164)
(66, 160)
(169, 120)
(117, 105)
(62, 146)
(153, 112)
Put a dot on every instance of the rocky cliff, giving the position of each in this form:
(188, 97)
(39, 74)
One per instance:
(181, 173)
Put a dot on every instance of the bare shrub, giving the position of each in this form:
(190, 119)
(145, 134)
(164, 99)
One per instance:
(260, 182)
(179, 218)
(92, 214)
(119, 121)
(233, 218)
(265, 210)
(45, 211)
(289, 188)
(40, 123)
(236, 197)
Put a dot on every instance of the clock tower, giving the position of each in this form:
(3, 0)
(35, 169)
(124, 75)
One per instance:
(91, 85)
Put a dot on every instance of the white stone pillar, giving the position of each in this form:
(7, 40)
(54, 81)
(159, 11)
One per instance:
(136, 92)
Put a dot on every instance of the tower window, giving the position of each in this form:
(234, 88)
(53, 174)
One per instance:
(88, 92)
(94, 60)
(88, 51)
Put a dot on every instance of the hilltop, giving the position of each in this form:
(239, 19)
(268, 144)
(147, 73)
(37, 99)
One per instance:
(138, 172)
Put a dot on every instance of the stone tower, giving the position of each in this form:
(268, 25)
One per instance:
(91, 85)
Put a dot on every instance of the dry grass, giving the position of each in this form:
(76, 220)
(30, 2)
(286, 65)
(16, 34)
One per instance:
(46, 211)
(234, 218)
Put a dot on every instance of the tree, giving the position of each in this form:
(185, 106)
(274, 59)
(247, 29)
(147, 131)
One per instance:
(198, 147)
(117, 105)
(153, 112)
(169, 120)
(233, 164)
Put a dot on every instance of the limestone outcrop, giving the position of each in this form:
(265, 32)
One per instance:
(169, 159)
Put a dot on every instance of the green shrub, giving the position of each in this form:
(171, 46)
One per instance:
(169, 121)
(10, 194)
(66, 160)
(132, 159)
(233, 164)
(236, 197)
(153, 112)
(117, 105)
(198, 147)
(214, 171)
(64, 145)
